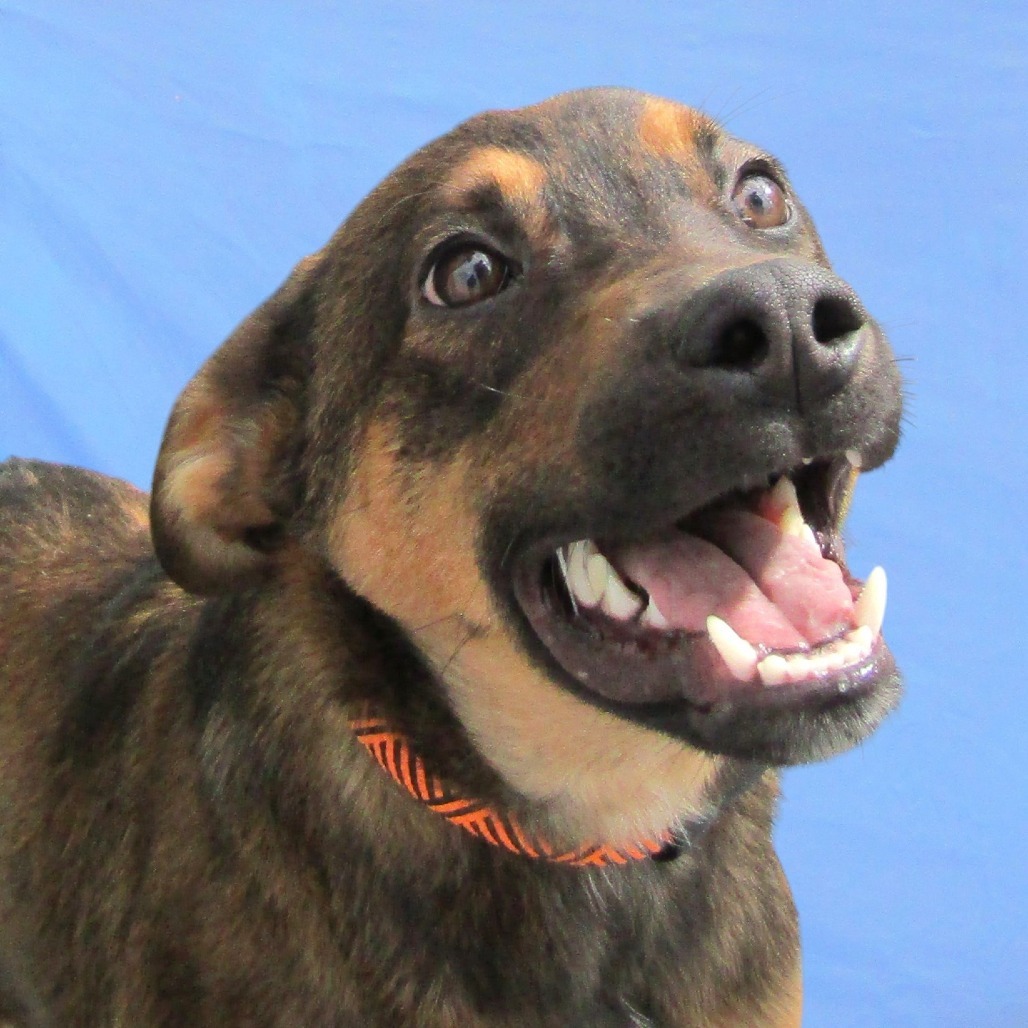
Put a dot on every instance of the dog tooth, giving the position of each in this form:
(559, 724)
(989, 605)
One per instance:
(808, 535)
(844, 497)
(599, 570)
(786, 504)
(844, 652)
(808, 461)
(652, 617)
(863, 638)
(803, 531)
(832, 661)
(579, 582)
(736, 652)
(791, 522)
(853, 650)
(805, 666)
(870, 607)
(854, 457)
(852, 653)
(828, 653)
(784, 493)
(586, 548)
(773, 670)
(618, 601)
(562, 560)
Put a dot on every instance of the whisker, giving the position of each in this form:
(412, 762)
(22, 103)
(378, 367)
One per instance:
(437, 621)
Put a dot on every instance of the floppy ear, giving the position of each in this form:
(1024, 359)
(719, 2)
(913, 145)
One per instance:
(226, 481)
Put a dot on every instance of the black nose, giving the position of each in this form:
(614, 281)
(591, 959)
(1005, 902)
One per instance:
(790, 332)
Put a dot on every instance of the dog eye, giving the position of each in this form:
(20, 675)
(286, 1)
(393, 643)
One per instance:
(465, 275)
(760, 202)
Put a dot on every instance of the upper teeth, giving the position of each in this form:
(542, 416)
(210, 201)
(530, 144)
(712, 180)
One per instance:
(652, 617)
(786, 505)
(593, 582)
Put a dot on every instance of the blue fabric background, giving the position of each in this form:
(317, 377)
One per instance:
(162, 166)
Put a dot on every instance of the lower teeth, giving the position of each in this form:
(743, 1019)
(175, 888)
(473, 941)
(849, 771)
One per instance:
(847, 651)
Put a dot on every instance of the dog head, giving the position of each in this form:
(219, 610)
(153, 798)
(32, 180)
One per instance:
(575, 398)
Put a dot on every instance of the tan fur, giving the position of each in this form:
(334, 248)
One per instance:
(520, 178)
(217, 460)
(782, 1010)
(669, 130)
(602, 777)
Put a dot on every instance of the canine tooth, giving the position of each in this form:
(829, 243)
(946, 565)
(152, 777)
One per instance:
(846, 492)
(786, 504)
(791, 522)
(869, 611)
(854, 457)
(808, 461)
(735, 651)
(794, 525)
(783, 496)
(652, 617)
(618, 601)
(578, 579)
(773, 670)
(784, 493)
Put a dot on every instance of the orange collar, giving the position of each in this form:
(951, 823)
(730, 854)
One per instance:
(393, 752)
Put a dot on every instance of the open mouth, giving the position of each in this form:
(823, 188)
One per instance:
(744, 602)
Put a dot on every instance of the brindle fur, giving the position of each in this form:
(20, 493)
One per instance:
(191, 835)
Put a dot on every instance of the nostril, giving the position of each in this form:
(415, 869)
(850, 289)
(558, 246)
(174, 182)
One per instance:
(742, 345)
(833, 318)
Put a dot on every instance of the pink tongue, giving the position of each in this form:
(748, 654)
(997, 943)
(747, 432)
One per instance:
(775, 590)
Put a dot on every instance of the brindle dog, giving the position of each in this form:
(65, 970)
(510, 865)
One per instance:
(515, 514)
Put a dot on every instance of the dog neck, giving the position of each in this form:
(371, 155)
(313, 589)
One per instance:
(395, 754)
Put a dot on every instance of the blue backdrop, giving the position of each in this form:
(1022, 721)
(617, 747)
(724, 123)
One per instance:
(163, 165)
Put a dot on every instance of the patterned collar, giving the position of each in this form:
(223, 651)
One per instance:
(394, 753)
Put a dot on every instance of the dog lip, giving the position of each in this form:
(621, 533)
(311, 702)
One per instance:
(665, 678)
(664, 672)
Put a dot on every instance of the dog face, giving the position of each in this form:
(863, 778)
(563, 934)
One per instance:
(574, 398)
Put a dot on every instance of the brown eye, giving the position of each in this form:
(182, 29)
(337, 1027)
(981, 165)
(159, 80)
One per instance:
(464, 276)
(760, 202)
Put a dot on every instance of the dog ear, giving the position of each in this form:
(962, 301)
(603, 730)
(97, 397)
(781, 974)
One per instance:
(226, 479)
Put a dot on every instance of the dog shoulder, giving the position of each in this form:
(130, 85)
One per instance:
(54, 508)
(75, 564)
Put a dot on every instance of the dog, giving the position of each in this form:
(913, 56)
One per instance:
(491, 570)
